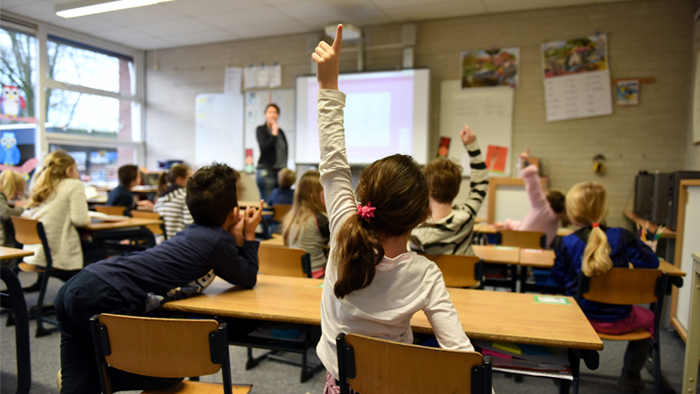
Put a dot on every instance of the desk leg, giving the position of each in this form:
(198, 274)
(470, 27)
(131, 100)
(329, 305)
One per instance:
(692, 345)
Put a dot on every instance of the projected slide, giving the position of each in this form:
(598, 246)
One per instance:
(383, 116)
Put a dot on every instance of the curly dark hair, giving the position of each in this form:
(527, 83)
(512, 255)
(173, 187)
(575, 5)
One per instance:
(211, 194)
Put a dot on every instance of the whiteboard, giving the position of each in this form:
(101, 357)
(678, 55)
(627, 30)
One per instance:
(219, 129)
(512, 202)
(691, 234)
(488, 112)
(255, 103)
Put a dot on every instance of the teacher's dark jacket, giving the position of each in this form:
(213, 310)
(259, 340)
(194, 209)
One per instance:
(267, 142)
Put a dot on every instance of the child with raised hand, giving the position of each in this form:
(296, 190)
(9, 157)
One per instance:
(306, 225)
(547, 210)
(595, 249)
(171, 203)
(373, 285)
(450, 229)
(220, 242)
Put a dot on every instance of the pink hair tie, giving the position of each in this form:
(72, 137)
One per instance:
(366, 212)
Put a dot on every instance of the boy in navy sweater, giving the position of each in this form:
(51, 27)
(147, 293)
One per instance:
(220, 242)
(121, 196)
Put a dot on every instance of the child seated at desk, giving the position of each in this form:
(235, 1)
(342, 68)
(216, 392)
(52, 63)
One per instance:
(546, 209)
(171, 205)
(283, 195)
(306, 225)
(58, 201)
(595, 249)
(373, 285)
(221, 241)
(11, 187)
(129, 176)
(450, 229)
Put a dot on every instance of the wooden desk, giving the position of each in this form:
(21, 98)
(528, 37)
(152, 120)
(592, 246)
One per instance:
(144, 189)
(484, 315)
(537, 258)
(131, 222)
(670, 269)
(274, 241)
(254, 204)
(484, 228)
(13, 253)
(497, 254)
(665, 233)
(97, 200)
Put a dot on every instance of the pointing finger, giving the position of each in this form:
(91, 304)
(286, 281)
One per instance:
(338, 39)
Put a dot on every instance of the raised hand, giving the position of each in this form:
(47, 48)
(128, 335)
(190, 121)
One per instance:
(525, 155)
(467, 135)
(275, 128)
(251, 219)
(327, 58)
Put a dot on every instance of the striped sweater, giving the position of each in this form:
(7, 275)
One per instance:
(453, 234)
(171, 206)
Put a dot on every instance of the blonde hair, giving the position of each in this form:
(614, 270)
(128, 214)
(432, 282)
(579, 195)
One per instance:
(56, 166)
(11, 183)
(307, 202)
(586, 204)
(286, 177)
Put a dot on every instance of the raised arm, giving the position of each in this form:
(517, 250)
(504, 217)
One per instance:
(533, 183)
(334, 168)
(479, 182)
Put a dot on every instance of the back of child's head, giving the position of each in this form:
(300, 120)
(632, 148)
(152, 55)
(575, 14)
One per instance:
(211, 194)
(56, 165)
(398, 192)
(127, 174)
(587, 205)
(11, 184)
(307, 202)
(169, 177)
(286, 177)
(557, 201)
(443, 177)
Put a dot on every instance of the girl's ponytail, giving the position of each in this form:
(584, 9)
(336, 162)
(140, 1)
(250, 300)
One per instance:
(359, 252)
(596, 256)
(162, 183)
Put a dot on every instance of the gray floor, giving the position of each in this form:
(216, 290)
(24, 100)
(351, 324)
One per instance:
(275, 377)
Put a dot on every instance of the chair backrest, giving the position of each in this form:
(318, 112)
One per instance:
(110, 210)
(281, 210)
(522, 239)
(283, 261)
(156, 229)
(168, 348)
(623, 286)
(459, 271)
(371, 365)
(31, 232)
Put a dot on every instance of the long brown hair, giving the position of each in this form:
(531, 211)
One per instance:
(307, 202)
(56, 165)
(398, 190)
(176, 171)
(586, 204)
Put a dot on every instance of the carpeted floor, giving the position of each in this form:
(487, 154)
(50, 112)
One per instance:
(276, 377)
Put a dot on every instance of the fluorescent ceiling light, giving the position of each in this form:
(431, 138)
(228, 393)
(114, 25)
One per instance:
(83, 8)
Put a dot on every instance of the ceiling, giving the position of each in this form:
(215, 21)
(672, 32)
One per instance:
(192, 22)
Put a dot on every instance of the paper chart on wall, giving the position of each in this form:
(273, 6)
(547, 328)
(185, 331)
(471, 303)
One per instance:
(232, 80)
(488, 112)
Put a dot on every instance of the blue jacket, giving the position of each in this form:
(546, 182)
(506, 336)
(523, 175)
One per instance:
(281, 196)
(625, 248)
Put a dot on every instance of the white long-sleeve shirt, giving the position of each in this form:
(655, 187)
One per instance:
(402, 285)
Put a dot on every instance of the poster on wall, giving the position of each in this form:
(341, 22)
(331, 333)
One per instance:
(490, 68)
(576, 78)
(627, 92)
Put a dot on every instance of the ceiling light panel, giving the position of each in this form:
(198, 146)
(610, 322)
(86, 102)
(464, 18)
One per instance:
(83, 8)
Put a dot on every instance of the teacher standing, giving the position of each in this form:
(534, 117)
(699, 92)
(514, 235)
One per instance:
(273, 151)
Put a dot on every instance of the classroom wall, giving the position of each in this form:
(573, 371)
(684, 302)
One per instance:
(693, 151)
(647, 39)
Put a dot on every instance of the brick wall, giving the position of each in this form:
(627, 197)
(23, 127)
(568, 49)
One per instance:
(693, 153)
(647, 39)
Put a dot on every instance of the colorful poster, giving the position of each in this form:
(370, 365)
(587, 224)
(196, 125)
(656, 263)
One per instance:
(628, 92)
(579, 55)
(489, 68)
(496, 157)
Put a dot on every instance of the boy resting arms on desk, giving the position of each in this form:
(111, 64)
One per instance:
(220, 242)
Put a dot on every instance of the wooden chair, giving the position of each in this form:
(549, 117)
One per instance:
(459, 271)
(156, 229)
(166, 348)
(624, 286)
(371, 365)
(522, 239)
(109, 210)
(283, 261)
(13, 299)
(31, 232)
(281, 210)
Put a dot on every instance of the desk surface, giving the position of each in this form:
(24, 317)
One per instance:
(537, 258)
(131, 222)
(490, 229)
(486, 315)
(666, 233)
(497, 254)
(12, 253)
(254, 204)
(145, 189)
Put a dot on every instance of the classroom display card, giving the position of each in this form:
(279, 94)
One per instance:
(490, 67)
(627, 92)
(232, 80)
(576, 78)
(261, 77)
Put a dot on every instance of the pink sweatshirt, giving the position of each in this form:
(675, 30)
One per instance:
(541, 216)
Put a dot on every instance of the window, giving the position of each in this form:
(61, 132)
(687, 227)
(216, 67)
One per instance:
(98, 165)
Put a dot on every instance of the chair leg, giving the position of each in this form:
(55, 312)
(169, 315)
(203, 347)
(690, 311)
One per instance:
(40, 319)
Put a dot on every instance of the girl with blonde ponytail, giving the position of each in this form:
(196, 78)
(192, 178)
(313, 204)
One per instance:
(373, 284)
(594, 249)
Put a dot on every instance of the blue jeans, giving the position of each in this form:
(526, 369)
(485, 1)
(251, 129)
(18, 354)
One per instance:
(267, 181)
